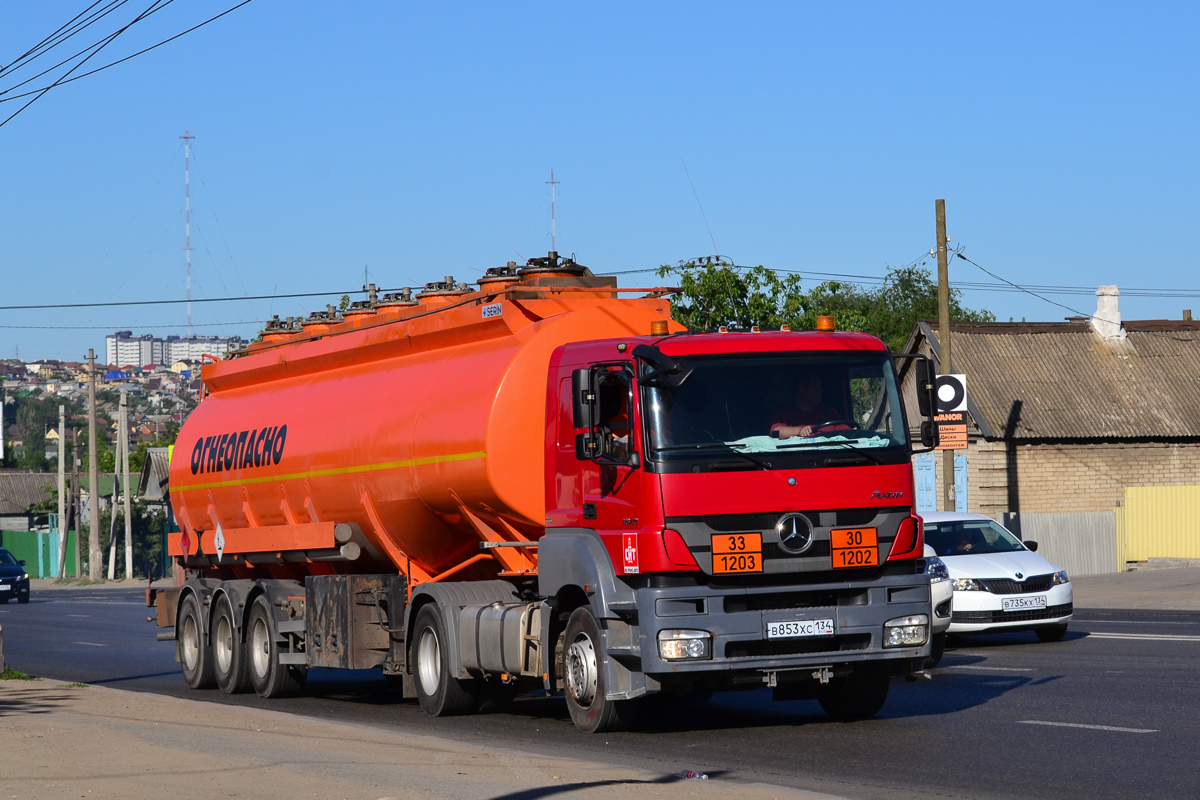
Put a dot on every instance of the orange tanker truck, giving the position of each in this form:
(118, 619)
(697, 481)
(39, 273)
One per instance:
(546, 484)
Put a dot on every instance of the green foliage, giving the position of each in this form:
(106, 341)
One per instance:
(33, 414)
(146, 531)
(717, 294)
(344, 303)
(11, 674)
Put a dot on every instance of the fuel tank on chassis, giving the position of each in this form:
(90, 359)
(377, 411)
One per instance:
(405, 427)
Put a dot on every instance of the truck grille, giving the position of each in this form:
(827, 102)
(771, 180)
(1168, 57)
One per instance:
(773, 601)
(731, 523)
(983, 617)
(1034, 583)
(792, 647)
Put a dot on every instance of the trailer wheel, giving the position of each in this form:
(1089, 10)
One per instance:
(228, 650)
(859, 695)
(583, 678)
(195, 657)
(439, 693)
(268, 677)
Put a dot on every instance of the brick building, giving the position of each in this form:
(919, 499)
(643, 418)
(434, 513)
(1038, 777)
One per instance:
(1065, 415)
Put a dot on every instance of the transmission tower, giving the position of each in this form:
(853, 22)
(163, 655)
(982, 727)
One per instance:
(552, 183)
(187, 220)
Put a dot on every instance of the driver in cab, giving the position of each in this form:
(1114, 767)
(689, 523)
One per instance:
(807, 412)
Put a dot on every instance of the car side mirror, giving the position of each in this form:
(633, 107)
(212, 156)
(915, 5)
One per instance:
(1032, 545)
(22, 563)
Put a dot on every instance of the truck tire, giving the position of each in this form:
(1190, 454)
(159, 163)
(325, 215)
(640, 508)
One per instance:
(438, 691)
(228, 650)
(195, 656)
(268, 677)
(583, 678)
(859, 695)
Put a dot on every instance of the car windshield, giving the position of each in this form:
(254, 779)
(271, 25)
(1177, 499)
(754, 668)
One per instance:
(6, 559)
(777, 403)
(969, 537)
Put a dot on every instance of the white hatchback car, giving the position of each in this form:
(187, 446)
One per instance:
(999, 583)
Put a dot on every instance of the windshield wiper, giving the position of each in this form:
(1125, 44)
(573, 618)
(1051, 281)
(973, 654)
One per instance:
(826, 443)
(707, 445)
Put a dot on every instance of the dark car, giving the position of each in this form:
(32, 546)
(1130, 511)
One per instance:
(14, 580)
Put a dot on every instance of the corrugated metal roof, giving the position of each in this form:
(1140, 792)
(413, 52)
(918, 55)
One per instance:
(1063, 381)
(153, 484)
(20, 490)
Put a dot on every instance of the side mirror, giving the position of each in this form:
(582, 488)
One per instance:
(1032, 545)
(22, 563)
(587, 446)
(583, 398)
(929, 434)
(926, 388)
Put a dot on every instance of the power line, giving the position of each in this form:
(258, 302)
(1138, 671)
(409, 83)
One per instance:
(65, 80)
(110, 327)
(114, 303)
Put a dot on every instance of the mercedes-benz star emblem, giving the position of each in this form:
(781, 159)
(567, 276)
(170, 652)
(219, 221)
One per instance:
(795, 533)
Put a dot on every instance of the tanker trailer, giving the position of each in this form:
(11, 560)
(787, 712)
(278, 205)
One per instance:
(548, 485)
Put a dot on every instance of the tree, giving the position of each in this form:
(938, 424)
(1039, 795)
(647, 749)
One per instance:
(720, 293)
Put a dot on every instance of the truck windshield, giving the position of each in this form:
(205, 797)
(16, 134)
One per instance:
(776, 404)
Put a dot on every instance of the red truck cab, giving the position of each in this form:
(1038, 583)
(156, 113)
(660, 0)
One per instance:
(751, 496)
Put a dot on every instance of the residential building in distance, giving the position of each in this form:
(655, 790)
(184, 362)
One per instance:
(123, 349)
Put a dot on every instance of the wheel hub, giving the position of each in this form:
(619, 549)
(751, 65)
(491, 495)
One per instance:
(429, 662)
(582, 670)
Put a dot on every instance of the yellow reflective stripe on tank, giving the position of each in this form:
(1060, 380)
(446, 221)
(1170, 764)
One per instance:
(321, 473)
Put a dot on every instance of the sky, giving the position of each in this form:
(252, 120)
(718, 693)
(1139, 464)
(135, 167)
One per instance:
(414, 141)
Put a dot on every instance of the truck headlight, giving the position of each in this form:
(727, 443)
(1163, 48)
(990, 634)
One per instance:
(967, 585)
(1060, 578)
(677, 645)
(908, 631)
(935, 568)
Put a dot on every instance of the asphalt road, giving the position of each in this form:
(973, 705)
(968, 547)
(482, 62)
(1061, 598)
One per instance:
(1107, 713)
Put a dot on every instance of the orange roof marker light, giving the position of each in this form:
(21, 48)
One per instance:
(826, 324)
(659, 327)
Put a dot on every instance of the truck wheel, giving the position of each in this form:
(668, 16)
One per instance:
(584, 681)
(439, 693)
(195, 657)
(936, 648)
(1051, 633)
(859, 695)
(228, 651)
(268, 677)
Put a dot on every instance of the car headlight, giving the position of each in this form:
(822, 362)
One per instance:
(677, 645)
(967, 585)
(935, 568)
(1060, 578)
(910, 631)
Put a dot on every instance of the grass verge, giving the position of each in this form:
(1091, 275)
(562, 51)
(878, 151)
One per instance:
(11, 674)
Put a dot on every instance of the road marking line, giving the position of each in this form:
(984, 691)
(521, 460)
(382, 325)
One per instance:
(1145, 637)
(988, 669)
(92, 644)
(1131, 622)
(79, 615)
(1087, 727)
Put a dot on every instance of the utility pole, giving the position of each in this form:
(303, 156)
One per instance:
(187, 220)
(74, 513)
(125, 484)
(95, 554)
(944, 363)
(62, 491)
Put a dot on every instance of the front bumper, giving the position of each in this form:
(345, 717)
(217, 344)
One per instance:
(14, 589)
(737, 617)
(983, 612)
